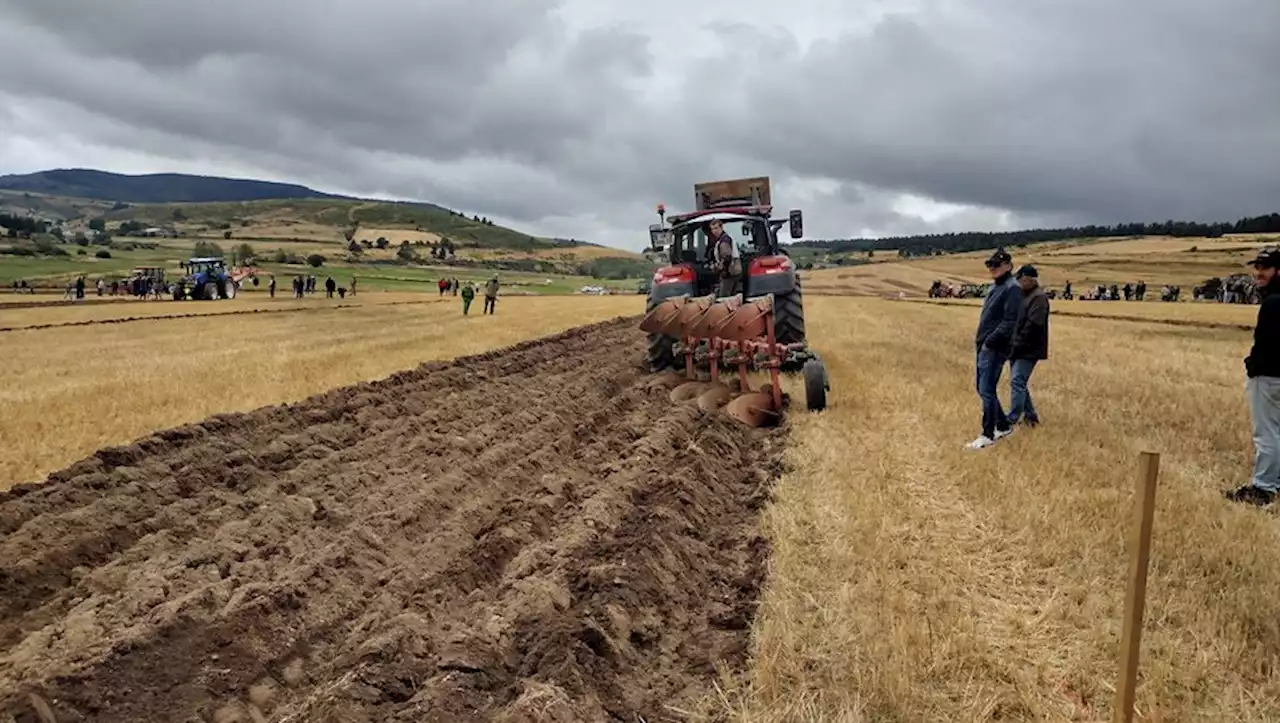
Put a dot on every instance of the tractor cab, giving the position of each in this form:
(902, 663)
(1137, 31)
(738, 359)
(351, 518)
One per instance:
(204, 266)
(744, 208)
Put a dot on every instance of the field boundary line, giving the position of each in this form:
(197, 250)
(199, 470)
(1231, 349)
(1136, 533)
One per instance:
(167, 317)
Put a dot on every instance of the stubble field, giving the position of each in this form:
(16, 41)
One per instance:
(539, 535)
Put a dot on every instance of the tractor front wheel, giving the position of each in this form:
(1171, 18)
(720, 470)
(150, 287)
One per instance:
(815, 385)
(209, 291)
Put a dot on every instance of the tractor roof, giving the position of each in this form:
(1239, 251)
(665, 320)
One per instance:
(740, 213)
(203, 260)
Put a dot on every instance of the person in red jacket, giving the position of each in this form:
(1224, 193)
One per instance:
(1262, 367)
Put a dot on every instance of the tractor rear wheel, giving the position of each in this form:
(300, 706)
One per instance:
(788, 316)
(661, 354)
(228, 289)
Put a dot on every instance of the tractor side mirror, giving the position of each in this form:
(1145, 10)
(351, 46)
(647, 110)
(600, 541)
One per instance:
(658, 237)
(797, 223)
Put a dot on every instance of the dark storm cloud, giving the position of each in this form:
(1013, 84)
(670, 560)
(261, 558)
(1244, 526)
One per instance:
(1134, 110)
(1083, 110)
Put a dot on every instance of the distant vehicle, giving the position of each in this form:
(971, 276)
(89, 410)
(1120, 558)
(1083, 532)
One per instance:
(207, 279)
(150, 272)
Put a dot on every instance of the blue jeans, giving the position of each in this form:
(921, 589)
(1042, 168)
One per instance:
(990, 363)
(1264, 407)
(1020, 405)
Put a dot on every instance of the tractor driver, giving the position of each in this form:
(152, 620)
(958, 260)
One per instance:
(726, 260)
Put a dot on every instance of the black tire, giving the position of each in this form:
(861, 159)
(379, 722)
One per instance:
(209, 292)
(788, 316)
(815, 385)
(661, 355)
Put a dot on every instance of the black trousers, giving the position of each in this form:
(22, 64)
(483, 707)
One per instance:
(489, 304)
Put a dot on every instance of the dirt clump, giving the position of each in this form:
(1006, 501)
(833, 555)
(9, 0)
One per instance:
(535, 533)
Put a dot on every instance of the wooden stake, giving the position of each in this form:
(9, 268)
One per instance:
(1136, 598)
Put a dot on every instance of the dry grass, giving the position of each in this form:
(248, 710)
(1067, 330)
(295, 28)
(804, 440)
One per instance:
(129, 308)
(71, 391)
(1157, 260)
(394, 235)
(912, 580)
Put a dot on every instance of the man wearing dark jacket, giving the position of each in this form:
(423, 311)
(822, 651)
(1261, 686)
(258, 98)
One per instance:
(996, 325)
(1030, 345)
(1263, 388)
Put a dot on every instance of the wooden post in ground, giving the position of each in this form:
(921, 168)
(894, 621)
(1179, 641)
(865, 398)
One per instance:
(1136, 597)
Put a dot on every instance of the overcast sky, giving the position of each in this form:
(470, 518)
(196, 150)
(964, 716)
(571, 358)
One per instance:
(575, 118)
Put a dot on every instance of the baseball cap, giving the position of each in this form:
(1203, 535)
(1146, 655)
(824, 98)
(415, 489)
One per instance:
(1267, 256)
(999, 257)
(1028, 270)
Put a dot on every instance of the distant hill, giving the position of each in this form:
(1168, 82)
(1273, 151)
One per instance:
(288, 219)
(154, 187)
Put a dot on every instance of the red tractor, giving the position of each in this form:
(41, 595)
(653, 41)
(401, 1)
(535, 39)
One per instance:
(762, 327)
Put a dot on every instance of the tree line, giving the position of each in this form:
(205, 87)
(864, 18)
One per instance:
(929, 244)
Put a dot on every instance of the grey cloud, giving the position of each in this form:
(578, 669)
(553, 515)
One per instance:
(550, 114)
(1108, 110)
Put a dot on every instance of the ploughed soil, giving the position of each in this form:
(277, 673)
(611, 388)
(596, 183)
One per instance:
(535, 533)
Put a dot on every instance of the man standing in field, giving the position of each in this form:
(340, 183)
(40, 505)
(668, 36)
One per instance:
(1030, 345)
(1262, 367)
(468, 295)
(996, 324)
(490, 294)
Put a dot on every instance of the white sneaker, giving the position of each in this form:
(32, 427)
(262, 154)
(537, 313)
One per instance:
(1005, 433)
(980, 442)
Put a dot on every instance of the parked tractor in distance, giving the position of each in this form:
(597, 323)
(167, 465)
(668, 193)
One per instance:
(206, 279)
(763, 327)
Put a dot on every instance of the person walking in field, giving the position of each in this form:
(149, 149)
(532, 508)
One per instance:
(468, 295)
(353, 286)
(271, 286)
(330, 286)
(1030, 345)
(491, 295)
(1262, 367)
(996, 325)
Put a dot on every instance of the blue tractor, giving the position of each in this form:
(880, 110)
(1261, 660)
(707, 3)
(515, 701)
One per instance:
(206, 279)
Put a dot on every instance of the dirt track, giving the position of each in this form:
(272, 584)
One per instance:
(532, 534)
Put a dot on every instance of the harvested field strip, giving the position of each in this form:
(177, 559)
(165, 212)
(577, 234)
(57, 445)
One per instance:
(163, 317)
(913, 580)
(530, 532)
(71, 391)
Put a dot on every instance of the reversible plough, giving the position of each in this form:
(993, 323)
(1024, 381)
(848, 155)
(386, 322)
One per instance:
(735, 333)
